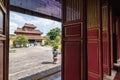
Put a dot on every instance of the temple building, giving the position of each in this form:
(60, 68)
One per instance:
(90, 36)
(34, 36)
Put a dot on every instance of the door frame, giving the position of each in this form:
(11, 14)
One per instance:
(4, 6)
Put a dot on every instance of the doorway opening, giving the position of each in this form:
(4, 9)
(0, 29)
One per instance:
(32, 41)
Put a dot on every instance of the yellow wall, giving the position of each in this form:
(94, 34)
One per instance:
(11, 41)
(43, 42)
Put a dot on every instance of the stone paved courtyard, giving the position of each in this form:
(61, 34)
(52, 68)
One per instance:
(29, 61)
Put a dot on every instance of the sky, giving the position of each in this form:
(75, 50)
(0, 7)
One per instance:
(42, 24)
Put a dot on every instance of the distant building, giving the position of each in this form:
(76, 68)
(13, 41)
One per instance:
(34, 36)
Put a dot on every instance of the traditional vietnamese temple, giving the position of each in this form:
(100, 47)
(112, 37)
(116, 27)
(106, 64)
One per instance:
(90, 36)
(33, 35)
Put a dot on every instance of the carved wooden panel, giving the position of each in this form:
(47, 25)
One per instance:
(74, 10)
(111, 37)
(93, 13)
(73, 50)
(106, 40)
(72, 60)
(93, 34)
(93, 65)
(73, 30)
(94, 48)
(106, 55)
(94, 55)
(74, 40)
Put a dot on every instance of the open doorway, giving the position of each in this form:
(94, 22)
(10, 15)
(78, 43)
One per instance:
(32, 40)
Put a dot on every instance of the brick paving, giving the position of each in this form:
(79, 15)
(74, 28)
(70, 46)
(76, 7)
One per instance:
(30, 61)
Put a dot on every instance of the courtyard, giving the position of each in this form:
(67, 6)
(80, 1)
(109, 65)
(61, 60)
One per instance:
(24, 62)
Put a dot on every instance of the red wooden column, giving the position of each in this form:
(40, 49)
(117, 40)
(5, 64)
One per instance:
(94, 44)
(106, 38)
(74, 41)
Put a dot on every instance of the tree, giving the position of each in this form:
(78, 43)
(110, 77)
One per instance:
(11, 35)
(53, 38)
(47, 40)
(21, 41)
(54, 33)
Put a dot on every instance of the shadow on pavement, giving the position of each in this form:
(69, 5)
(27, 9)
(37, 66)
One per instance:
(37, 75)
(47, 62)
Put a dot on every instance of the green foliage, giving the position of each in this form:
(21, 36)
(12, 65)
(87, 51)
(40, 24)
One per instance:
(55, 47)
(12, 35)
(47, 40)
(54, 33)
(53, 38)
(58, 39)
(21, 41)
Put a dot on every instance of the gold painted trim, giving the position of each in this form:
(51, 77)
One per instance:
(93, 40)
(2, 7)
(82, 30)
(94, 28)
(93, 36)
(70, 24)
(72, 40)
(106, 66)
(93, 74)
(45, 76)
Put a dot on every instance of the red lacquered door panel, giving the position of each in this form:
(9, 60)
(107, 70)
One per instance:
(106, 39)
(94, 44)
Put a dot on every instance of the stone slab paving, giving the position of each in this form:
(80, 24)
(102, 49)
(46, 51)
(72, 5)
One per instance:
(40, 75)
(29, 61)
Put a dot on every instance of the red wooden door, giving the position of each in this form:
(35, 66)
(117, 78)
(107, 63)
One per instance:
(94, 44)
(106, 39)
(74, 64)
(111, 38)
(74, 40)
(118, 37)
(3, 40)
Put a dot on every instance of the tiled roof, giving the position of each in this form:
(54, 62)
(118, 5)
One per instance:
(20, 30)
(29, 25)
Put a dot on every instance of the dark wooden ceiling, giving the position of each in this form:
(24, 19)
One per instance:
(36, 9)
(116, 6)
